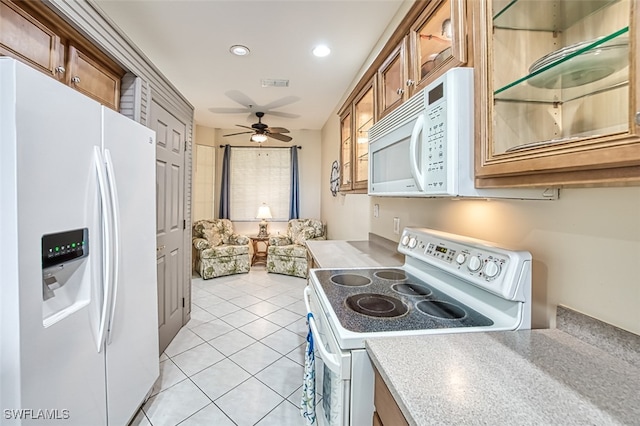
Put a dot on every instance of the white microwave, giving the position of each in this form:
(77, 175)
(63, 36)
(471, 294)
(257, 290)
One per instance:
(425, 147)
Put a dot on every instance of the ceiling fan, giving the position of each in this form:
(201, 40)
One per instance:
(249, 106)
(262, 131)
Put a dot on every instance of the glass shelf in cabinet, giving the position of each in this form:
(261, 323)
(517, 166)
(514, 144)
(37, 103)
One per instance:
(592, 68)
(556, 15)
(363, 127)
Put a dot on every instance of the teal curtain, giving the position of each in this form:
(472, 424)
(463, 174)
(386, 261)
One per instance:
(294, 204)
(225, 201)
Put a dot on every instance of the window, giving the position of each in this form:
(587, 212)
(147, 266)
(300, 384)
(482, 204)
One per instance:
(259, 175)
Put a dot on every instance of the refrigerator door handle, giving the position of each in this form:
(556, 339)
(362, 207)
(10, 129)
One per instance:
(115, 217)
(107, 245)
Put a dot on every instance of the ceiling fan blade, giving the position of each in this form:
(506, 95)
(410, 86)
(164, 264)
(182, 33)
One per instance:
(278, 136)
(245, 127)
(228, 110)
(278, 130)
(239, 97)
(234, 134)
(282, 114)
(278, 103)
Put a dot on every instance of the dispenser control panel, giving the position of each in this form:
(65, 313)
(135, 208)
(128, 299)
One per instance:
(64, 246)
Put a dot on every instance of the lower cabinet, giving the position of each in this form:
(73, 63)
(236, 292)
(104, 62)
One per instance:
(387, 411)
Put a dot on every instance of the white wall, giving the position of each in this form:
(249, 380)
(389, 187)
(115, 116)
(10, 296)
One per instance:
(308, 164)
(204, 190)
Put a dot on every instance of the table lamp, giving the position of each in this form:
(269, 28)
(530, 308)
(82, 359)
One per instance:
(264, 212)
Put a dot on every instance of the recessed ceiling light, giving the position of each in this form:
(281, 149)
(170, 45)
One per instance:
(239, 50)
(321, 51)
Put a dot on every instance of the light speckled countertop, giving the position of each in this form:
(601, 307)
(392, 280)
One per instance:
(537, 377)
(376, 251)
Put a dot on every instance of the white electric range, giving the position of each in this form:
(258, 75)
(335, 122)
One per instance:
(448, 284)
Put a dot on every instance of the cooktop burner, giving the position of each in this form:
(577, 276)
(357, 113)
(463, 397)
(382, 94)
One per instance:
(394, 275)
(439, 309)
(350, 280)
(391, 299)
(411, 289)
(376, 305)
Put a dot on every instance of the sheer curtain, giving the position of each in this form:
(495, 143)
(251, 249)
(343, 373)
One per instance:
(259, 175)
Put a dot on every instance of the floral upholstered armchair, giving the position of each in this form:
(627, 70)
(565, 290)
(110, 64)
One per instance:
(287, 254)
(218, 250)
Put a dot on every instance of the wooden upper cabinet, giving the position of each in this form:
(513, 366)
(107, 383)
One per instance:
(557, 92)
(32, 33)
(92, 78)
(346, 142)
(434, 40)
(364, 117)
(438, 42)
(356, 118)
(24, 38)
(392, 79)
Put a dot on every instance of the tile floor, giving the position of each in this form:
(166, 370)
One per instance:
(239, 360)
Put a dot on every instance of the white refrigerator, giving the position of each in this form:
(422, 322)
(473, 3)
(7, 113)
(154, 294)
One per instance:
(78, 289)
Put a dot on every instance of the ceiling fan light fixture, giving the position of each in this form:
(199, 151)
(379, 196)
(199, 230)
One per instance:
(321, 51)
(259, 137)
(239, 50)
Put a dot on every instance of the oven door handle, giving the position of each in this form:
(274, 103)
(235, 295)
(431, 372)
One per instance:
(330, 360)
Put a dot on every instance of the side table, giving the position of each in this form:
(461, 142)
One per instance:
(259, 256)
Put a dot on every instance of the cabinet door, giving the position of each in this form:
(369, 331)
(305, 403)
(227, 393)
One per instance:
(392, 77)
(93, 78)
(564, 112)
(438, 42)
(364, 113)
(23, 37)
(346, 171)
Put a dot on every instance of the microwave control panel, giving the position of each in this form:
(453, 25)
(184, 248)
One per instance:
(447, 131)
(436, 149)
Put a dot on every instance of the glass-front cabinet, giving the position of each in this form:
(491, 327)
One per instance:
(392, 78)
(355, 122)
(363, 110)
(345, 152)
(435, 41)
(438, 42)
(557, 92)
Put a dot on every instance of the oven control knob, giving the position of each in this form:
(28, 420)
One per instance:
(460, 258)
(474, 264)
(491, 269)
(413, 242)
(405, 240)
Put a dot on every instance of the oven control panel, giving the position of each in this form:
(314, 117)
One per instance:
(484, 264)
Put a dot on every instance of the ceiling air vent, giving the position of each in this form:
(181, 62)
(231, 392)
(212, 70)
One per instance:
(272, 82)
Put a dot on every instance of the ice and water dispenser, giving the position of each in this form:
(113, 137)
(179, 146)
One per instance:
(65, 285)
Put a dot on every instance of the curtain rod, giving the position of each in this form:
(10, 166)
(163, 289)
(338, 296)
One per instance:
(283, 147)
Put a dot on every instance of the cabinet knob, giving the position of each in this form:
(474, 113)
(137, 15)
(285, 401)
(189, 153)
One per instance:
(400, 91)
(59, 69)
(75, 79)
(410, 83)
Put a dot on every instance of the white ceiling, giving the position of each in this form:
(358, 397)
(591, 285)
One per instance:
(188, 41)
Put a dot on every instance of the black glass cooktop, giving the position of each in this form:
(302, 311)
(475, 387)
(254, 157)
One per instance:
(389, 299)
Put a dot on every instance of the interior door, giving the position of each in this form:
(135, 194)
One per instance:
(170, 144)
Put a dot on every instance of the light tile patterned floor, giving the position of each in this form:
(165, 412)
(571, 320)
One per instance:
(239, 361)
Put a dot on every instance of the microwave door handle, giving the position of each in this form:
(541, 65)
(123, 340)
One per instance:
(413, 148)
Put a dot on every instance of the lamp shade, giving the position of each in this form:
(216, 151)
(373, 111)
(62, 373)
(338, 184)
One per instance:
(264, 212)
